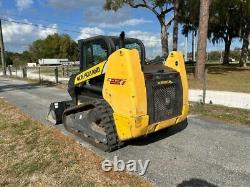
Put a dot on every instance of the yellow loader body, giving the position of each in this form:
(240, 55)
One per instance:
(119, 95)
(127, 94)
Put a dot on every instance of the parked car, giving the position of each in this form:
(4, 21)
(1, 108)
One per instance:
(190, 62)
(232, 60)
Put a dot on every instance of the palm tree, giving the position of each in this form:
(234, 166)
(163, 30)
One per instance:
(245, 30)
(202, 39)
(176, 22)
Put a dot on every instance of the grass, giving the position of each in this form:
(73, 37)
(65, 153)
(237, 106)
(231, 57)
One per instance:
(50, 71)
(229, 115)
(36, 82)
(37, 155)
(223, 78)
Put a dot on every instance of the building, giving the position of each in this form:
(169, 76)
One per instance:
(31, 64)
(52, 62)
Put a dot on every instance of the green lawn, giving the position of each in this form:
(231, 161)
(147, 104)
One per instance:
(222, 78)
(233, 116)
(226, 78)
(46, 70)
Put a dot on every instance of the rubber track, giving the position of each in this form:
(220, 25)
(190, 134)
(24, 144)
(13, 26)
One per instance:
(105, 112)
(107, 122)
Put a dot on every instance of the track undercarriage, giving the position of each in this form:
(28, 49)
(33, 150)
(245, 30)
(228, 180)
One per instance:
(114, 79)
(92, 121)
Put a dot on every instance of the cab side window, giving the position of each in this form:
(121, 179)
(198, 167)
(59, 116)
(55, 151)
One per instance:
(95, 53)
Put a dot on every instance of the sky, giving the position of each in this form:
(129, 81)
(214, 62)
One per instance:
(81, 19)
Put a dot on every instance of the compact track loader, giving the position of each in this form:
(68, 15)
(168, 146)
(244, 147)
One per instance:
(117, 96)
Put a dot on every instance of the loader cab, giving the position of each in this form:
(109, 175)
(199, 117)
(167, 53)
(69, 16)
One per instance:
(97, 49)
(132, 43)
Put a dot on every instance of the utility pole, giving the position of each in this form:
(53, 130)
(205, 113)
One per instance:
(193, 46)
(2, 49)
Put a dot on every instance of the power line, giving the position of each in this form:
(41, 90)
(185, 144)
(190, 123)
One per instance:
(44, 27)
(39, 25)
(20, 44)
(2, 50)
(44, 20)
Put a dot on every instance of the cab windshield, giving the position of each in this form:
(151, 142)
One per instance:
(131, 43)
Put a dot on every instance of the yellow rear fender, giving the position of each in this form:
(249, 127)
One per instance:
(124, 89)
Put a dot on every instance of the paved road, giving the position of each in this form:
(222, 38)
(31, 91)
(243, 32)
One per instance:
(204, 154)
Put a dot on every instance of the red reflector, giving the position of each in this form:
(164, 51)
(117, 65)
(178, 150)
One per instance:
(148, 76)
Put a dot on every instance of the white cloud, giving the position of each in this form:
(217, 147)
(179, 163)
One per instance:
(24, 4)
(89, 32)
(132, 22)
(98, 19)
(74, 3)
(44, 32)
(94, 13)
(129, 22)
(151, 40)
(13, 31)
(18, 37)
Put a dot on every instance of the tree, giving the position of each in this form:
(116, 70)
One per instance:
(245, 30)
(176, 22)
(189, 18)
(8, 58)
(244, 50)
(202, 41)
(54, 46)
(158, 7)
(26, 57)
(189, 15)
(224, 24)
(16, 59)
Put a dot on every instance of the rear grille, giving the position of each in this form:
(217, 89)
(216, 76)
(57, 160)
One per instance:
(164, 100)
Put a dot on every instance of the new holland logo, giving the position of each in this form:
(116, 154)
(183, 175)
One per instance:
(88, 73)
(165, 82)
(117, 81)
